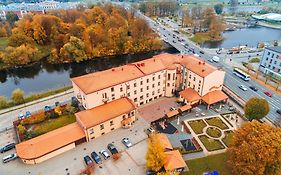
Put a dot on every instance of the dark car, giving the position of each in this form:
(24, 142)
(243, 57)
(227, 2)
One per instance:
(253, 88)
(112, 148)
(7, 147)
(88, 160)
(96, 157)
(278, 111)
(201, 52)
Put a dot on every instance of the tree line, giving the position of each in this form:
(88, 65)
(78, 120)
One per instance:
(78, 35)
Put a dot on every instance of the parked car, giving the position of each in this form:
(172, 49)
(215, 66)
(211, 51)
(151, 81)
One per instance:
(96, 157)
(268, 93)
(201, 52)
(112, 148)
(127, 142)
(253, 88)
(151, 130)
(243, 87)
(172, 108)
(7, 147)
(10, 157)
(88, 160)
(278, 111)
(105, 154)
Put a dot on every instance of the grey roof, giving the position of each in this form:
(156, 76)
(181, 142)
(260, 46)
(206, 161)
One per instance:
(275, 49)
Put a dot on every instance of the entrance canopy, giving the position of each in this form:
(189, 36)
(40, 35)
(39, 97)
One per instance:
(190, 95)
(214, 97)
(172, 113)
(184, 108)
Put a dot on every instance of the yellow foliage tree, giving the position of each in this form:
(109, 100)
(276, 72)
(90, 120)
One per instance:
(155, 155)
(255, 149)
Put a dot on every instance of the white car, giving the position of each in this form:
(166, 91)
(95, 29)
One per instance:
(105, 154)
(243, 87)
(9, 157)
(127, 142)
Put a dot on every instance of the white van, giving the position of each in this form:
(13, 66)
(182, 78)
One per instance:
(216, 59)
(9, 158)
(196, 55)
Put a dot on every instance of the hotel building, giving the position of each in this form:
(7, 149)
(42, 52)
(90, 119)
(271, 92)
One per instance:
(111, 97)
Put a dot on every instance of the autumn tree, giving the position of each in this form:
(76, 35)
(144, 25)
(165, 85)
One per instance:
(186, 18)
(155, 155)
(169, 172)
(21, 55)
(218, 8)
(74, 50)
(3, 102)
(255, 149)
(18, 96)
(18, 39)
(11, 17)
(256, 108)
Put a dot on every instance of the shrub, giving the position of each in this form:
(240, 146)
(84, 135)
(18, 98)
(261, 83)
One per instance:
(3, 102)
(21, 129)
(52, 115)
(35, 118)
(69, 109)
(58, 110)
(17, 96)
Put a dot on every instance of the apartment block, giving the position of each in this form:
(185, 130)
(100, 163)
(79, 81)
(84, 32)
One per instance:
(271, 61)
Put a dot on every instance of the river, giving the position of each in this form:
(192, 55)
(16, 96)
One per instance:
(249, 36)
(44, 76)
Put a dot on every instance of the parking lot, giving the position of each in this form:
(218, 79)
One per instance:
(131, 162)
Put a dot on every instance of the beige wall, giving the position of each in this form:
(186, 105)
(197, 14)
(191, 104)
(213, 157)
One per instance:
(170, 83)
(214, 81)
(96, 131)
(50, 155)
(193, 81)
(141, 91)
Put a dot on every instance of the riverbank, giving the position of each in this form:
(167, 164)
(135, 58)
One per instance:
(201, 38)
(37, 96)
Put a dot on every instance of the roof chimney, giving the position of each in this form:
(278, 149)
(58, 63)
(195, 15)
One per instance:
(181, 56)
(113, 70)
(203, 62)
(154, 60)
(142, 64)
(203, 70)
(199, 62)
(122, 68)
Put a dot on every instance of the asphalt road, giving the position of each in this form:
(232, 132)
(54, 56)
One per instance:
(231, 80)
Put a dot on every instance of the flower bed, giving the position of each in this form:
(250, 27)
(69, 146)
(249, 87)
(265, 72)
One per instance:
(213, 132)
(216, 121)
(211, 144)
(197, 126)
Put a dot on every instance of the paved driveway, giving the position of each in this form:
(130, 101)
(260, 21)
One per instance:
(72, 161)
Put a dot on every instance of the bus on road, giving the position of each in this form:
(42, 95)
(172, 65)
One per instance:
(241, 74)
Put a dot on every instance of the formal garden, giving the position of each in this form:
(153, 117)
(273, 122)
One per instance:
(214, 132)
(45, 121)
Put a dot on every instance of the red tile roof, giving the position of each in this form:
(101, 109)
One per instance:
(49, 142)
(173, 160)
(214, 97)
(105, 112)
(190, 95)
(92, 82)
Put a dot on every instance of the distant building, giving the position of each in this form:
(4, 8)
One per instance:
(22, 9)
(271, 17)
(271, 61)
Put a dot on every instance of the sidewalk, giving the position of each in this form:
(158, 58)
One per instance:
(7, 116)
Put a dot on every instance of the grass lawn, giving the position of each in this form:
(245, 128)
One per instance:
(214, 132)
(228, 137)
(211, 144)
(254, 60)
(197, 126)
(209, 163)
(53, 124)
(216, 121)
(200, 38)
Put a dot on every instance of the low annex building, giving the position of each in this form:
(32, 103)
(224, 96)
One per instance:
(51, 144)
(107, 117)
